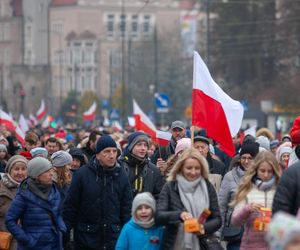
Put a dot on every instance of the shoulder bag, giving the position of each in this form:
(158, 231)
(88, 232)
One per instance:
(5, 240)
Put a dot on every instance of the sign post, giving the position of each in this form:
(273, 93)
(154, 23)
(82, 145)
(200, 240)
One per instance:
(162, 103)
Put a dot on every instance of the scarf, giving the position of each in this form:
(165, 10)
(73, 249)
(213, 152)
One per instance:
(195, 198)
(240, 172)
(264, 185)
(144, 224)
(39, 189)
(9, 182)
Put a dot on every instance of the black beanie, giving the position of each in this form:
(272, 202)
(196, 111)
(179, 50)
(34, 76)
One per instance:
(251, 148)
(105, 141)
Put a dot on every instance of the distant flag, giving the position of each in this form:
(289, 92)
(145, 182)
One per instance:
(20, 135)
(213, 109)
(116, 126)
(106, 122)
(249, 131)
(47, 121)
(33, 120)
(42, 111)
(6, 120)
(163, 138)
(131, 121)
(90, 114)
(23, 124)
(142, 121)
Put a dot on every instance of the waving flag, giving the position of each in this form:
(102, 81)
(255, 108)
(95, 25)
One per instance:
(142, 121)
(163, 138)
(213, 109)
(90, 114)
(42, 111)
(23, 124)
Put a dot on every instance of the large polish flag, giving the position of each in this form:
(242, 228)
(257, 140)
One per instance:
(142, 121)
(90, 114)
(41, 111)
(213, 109)
(163, 138)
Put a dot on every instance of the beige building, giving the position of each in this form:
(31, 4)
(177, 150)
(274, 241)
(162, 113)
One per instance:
(86, 40)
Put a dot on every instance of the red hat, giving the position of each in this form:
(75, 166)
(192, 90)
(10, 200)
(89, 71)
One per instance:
(26, 154)
(295, 131)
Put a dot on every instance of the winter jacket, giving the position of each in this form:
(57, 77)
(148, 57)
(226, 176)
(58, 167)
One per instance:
(215, 166)
(228, 189)
(8, 191)
(164, 152)
(97, 206)
(169, 208)
(143, 175)
(252, 240)
(41, 223)
(287, 196)
(135, 237)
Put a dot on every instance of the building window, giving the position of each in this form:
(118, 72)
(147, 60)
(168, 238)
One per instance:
(7, 59)
(77, 53)
(110, 25)
(123, 25)
(28, 35)
(57, 27)
(6, 31)
(146, 26)
(134, 26)
(28, 56)
(89, 54)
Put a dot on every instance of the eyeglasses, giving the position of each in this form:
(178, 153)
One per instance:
(244, 158)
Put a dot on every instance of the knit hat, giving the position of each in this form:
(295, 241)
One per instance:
(13, 160)
(274, 144)
(263, 142)
(145, 198)
(295, 131)
(38, 166)
(77, 153)
(183, 144)
(282, 230)
(3, 148)
(251, 148)
(39, 151)
(284, 150)
(61, 158)
(104, 142)
(135, 138)
(26, 154)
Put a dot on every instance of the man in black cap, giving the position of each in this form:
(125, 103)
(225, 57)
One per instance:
(201, 143)
(162, 154)
(99, 199)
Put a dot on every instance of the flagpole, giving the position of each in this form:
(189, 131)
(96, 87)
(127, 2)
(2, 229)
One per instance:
(192, 135)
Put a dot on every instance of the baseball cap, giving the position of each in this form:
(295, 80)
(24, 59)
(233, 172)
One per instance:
(177, 124)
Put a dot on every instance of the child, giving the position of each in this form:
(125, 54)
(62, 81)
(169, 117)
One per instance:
(284, 232)
(140, 233)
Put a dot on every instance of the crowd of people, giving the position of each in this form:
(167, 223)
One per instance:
(90, 189)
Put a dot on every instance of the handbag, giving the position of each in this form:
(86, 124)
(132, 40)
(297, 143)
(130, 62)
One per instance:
(231, 233)
(210, 242)
(5, 240)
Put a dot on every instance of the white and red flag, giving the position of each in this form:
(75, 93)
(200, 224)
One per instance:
(249, 131)
(163, 138)
(213, 109)
(90, 114)
(41, 111)
(33, 120)
(23, 124)
(20, 135)
(143, 122)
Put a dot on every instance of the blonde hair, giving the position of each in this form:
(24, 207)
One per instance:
(63, 176)
(246, 185)
(190, 153)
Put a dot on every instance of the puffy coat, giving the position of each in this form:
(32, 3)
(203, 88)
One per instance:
(143, 175)
(41, 223)
(97, 206)
(252, 240)
(8, 191)
(134, 237)
(169, 208)
(287, 196)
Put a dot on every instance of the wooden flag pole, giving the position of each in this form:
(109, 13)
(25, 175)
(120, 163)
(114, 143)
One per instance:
(192, 135)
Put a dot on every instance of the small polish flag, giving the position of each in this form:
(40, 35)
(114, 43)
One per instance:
(163, 138)
(90, 114)
(6, 120)
(131, 121)
(213, 109)
(23, 124)
(20, 135)
(249, 131)
(42, 111)
(33, 120)
(142, 121)
(116, 126)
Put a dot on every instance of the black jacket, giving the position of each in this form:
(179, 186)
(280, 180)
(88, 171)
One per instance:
(169, 208)
(287, 196)
(164, 152)
(97, 206)
(143, 175)
(215, 166)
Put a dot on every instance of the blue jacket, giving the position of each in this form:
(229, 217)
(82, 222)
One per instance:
(134, 237)
(97, 206)
(41, 223)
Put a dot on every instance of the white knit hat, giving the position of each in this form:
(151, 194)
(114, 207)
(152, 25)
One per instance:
(145, 198)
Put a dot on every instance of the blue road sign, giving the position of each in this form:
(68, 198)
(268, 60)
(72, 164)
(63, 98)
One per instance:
(162, 102)
(114, 114)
